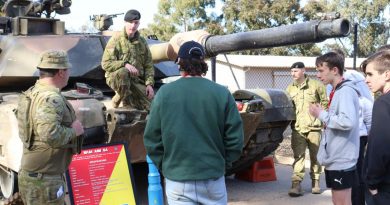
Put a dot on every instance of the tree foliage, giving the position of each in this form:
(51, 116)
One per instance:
(373, 28)
(182, 15)
(246, 15)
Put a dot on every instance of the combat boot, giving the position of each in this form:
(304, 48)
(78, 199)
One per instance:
(115, 101)
(296, 189)
(315, 186)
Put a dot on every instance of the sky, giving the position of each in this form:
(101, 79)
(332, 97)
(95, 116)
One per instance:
(81, 10)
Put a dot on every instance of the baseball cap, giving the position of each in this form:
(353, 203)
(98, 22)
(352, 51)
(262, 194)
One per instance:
(298, 65)
(132, 15)
(54, 59)
(191, 49)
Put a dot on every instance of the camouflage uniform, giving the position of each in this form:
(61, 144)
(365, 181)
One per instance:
(135, 51)
(306, 130)
(41, 179)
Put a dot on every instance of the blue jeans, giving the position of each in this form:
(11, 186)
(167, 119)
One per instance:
(211, 191)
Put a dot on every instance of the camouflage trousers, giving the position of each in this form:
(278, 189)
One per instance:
(41, 189)
(131, 91)
(299, 143)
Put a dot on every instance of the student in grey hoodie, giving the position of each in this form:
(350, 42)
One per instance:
(339, 147)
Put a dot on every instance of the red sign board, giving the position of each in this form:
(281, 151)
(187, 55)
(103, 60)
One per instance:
(101, 176)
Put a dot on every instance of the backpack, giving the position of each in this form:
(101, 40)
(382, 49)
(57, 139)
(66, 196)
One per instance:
(23, 114)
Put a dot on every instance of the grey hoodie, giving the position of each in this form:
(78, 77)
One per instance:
(339, 147)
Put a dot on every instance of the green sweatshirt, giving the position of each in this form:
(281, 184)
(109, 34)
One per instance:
(194, 131)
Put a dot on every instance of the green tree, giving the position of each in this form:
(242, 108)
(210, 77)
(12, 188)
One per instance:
(373, 28)
(183, 15)
(247, 15)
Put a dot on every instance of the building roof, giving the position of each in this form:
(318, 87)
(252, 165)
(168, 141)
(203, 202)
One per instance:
(276, 61)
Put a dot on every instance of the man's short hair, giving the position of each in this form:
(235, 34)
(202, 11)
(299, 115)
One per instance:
(47, 72)
(381, 60)
(332, 59)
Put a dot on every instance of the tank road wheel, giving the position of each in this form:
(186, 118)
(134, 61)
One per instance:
(8, 182)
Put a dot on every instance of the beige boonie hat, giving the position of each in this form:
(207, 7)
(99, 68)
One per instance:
(54, 59)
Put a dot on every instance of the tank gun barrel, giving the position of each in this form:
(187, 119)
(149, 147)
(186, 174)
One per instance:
(307, 32)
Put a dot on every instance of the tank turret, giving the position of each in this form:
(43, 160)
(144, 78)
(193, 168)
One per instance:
(27, 30)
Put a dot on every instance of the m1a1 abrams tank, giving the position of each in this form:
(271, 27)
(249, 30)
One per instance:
(25, 34)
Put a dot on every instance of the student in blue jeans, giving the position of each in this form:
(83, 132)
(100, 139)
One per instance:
(194, 133)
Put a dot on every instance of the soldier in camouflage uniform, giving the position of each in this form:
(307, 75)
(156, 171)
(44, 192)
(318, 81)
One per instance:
(128, 64)
(306, 130)
(54, 136)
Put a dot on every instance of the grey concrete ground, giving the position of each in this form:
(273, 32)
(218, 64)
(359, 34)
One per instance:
(275, 192)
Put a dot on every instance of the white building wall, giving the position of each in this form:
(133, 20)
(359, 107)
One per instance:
(254, 72)
(225, 77)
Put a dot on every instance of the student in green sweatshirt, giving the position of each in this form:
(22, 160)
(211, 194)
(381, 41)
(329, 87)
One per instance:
(194, 132)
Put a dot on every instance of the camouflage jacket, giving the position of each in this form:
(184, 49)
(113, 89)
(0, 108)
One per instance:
(52, 118)
(310, 91)
(135, 51)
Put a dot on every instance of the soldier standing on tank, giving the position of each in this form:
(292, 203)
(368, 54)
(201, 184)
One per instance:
(306, 129)
(54, 136)
(128, 64)
(194, 133)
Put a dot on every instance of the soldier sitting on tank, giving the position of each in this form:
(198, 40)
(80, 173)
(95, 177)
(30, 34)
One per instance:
(54, 136)
(306, 129)
(127, 61)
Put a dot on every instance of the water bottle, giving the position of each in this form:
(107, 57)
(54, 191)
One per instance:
(155, 195)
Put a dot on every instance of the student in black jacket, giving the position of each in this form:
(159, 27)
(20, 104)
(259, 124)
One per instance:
(377, 160)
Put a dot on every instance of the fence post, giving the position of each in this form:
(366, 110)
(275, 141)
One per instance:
(155, 195)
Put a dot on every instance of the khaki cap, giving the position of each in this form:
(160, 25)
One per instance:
(54, 59)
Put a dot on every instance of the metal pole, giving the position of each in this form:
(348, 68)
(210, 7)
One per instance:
(355, 44)
(213, 61)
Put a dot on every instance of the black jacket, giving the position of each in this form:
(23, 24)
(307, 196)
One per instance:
(377, 160)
